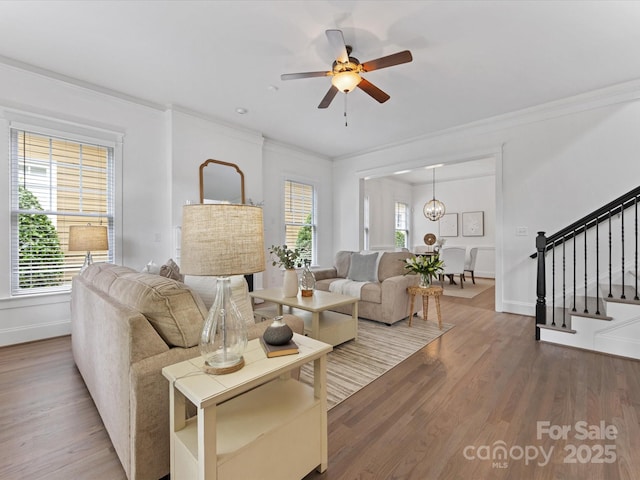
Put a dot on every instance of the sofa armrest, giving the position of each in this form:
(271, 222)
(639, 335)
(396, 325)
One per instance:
(149, 413)
(322, 273)
(395, 299)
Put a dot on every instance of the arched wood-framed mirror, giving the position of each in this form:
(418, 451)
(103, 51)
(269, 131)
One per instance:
(221, 182)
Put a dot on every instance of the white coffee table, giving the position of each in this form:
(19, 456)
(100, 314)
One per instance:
(255, 423)
(330, 327)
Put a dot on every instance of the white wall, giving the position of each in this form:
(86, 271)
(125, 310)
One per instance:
(144, 226)
(383, 194)
(195, 140)
(157, 173)
(459, 196)
(555, 163)
(282, 163)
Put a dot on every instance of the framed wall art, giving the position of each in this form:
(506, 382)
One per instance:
(473, 224)
(449, 225)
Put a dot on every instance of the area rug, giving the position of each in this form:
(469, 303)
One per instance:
(378, 348)
(470, 290)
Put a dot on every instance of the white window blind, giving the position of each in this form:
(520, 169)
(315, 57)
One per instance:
(56, 182)
(300, 228)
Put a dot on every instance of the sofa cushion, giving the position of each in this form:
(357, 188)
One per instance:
(392, 264)
(174, 310)
(371, 292)
(363, 267)
(205, 287)
(102, 275)
(343, 260)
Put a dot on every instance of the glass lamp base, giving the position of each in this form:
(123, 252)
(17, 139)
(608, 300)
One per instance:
(224, 333)
(222, 369)
(88, 260)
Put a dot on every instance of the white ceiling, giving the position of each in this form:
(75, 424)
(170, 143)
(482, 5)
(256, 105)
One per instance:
(472, 59)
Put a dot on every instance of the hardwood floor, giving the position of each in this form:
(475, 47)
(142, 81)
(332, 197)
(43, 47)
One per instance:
(484, 384)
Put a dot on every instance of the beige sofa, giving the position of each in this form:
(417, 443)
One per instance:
(384, 297)
(125, 327)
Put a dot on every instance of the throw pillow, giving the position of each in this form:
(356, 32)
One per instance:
(171, 270)
(363, 267)
(205, 287)
(151, 267)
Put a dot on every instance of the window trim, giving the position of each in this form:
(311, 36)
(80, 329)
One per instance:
(314, 207)
(74, 133)
(405, 230)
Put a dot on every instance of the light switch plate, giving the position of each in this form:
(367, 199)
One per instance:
(522, 231)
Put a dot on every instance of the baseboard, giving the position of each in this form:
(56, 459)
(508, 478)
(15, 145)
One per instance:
(481, 274)
(519, 308)
(31, 333)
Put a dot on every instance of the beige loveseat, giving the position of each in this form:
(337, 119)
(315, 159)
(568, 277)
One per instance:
(125, 327)
(384, 297)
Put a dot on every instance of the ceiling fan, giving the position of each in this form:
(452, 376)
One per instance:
(346, 70)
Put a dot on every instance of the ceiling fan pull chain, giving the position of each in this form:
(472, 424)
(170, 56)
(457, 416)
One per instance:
(345, 110)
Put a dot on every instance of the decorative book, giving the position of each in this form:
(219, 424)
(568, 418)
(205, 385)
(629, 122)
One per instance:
(279, 350)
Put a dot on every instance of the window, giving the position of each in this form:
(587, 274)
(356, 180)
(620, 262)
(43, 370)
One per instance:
(402, 228)
(55, 183)
(299, 217)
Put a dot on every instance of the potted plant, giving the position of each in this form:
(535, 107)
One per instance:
(289, 259)
(427, 266)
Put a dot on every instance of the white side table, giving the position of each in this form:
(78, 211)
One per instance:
(248, 426)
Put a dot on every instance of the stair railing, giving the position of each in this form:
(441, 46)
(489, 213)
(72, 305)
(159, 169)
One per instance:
(567, 236)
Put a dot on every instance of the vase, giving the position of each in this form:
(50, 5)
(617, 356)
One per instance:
(290, 283)
(278, 333)
(425, 280)
(307, 280)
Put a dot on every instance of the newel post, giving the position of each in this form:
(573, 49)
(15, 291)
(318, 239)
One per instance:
(541, 284)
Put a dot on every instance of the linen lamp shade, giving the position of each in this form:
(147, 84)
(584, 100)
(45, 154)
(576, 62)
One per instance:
(88, 238)
(222, 239)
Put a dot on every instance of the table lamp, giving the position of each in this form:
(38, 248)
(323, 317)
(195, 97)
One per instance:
(88, 238)
(222, 240)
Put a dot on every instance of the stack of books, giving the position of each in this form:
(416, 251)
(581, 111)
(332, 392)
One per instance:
(279, 350)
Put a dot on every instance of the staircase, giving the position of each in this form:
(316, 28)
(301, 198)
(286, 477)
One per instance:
(591, 267)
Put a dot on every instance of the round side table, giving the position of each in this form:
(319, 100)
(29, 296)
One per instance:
(425, 293)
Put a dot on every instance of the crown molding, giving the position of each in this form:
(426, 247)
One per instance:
(278, 146)
(603, 97)
(88, 86)
(230, 129)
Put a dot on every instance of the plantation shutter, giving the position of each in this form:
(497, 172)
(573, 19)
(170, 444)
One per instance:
(56, 183)
(299, 217)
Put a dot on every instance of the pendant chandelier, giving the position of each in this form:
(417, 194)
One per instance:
(434, 209)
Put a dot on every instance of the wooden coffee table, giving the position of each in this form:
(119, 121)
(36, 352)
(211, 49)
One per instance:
(330, 327)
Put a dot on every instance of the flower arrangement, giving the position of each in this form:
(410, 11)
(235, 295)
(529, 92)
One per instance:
(283, 256)
(426, 266)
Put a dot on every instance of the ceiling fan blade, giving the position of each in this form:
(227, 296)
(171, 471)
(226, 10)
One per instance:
(293, 76)
(326, 101)
(374, 91)
(338, 47)
(388, 61)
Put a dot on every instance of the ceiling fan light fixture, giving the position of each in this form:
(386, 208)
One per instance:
(346, 81)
